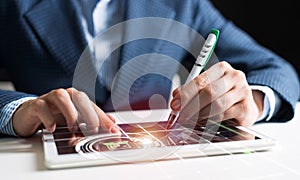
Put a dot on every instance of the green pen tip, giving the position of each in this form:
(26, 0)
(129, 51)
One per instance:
(215, 32)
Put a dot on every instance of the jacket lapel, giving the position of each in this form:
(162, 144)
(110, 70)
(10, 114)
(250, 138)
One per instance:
(58, 27)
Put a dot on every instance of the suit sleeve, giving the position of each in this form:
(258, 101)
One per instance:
(9, 102)
(10, 96)
(261, 65)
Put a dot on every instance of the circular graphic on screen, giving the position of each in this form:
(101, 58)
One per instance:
(114, 147)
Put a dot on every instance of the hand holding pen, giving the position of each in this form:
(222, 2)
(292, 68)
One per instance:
(200, 63)
(223, 91)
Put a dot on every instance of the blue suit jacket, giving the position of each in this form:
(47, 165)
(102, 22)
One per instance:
(42, 40)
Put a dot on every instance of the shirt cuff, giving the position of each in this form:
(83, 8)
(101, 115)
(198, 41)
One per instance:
(6, 113)
(271, 102)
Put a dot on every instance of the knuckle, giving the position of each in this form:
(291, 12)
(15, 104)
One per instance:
(240, 75)
(39, 104)
(224, 65)
(80, 95)
(72, 89)
(201, 82)
(60, 93)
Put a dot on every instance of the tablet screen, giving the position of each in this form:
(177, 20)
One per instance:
(137, 136)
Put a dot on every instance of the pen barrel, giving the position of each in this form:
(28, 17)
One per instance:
(194, 73)
(204, 55)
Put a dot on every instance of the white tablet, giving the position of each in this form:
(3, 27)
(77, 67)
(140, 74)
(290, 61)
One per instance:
(149, 141)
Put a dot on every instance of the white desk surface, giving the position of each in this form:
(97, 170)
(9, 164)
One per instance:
(26, 162)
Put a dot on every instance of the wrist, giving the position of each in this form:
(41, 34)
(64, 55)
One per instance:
(258, 98)
(21, 122)
(6, 114)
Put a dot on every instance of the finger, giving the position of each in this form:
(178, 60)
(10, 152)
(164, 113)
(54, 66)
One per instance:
(219, 95)
(85, 108)
(41, 109)
(111, 118)
(233, 116)
(60, 119)
(239, 112)
(199, 108)
(217, 89)
(106, 121)
(176, 91)
(221, 104)
(212, 94)
(190, 90)
(191, 110)
(61, 99)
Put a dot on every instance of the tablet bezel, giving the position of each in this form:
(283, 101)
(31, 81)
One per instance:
(54, 160)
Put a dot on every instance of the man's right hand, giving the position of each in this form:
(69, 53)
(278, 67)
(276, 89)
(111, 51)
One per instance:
(61, 107)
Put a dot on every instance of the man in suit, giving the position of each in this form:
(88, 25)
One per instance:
(42, 41)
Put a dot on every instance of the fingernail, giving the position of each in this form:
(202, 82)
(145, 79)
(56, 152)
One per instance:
(114, 130)
(52, 128)
(176, 104)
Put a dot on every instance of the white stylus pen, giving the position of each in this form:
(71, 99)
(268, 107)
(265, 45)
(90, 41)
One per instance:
(199, 65)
